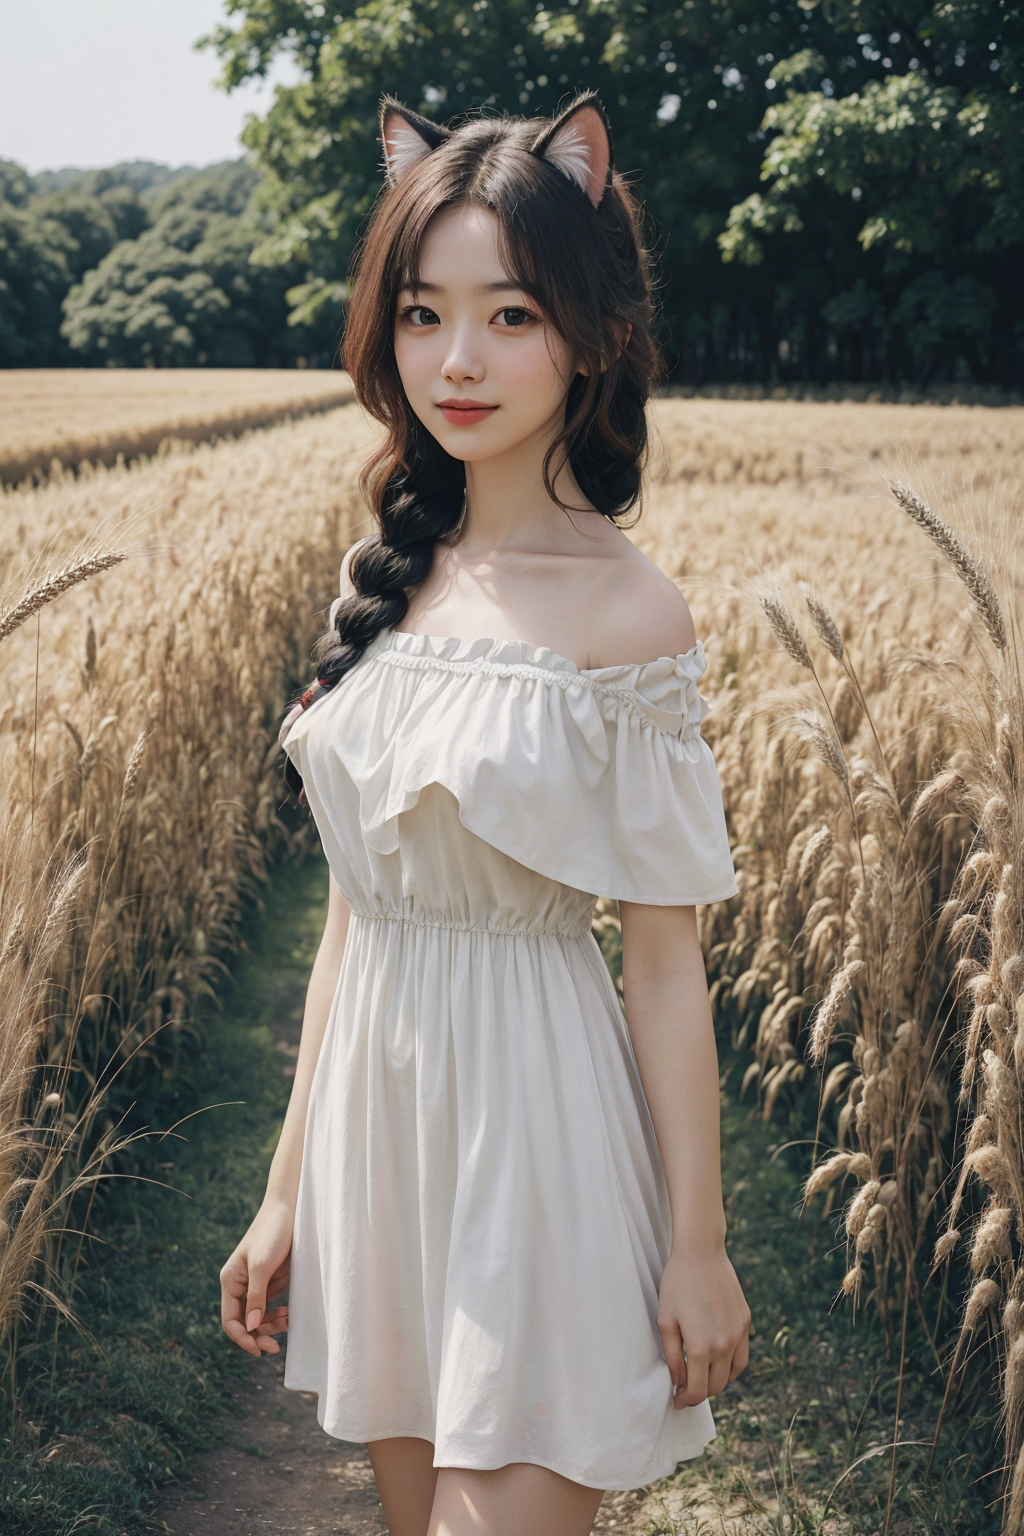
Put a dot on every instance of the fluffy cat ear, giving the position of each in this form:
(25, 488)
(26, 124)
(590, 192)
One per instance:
(579, 143)
(407, 137)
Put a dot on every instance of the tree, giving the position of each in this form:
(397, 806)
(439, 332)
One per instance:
(186, 292)
(35, 272)
(46, 244)
(139, 264)
(902, 161)
(788, 156)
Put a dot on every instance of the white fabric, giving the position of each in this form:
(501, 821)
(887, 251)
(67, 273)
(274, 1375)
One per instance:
(482, 1217)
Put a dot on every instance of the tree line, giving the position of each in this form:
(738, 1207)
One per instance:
(834, 188)
(139, 266)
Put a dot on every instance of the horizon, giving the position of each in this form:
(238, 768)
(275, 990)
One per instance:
(113, 165)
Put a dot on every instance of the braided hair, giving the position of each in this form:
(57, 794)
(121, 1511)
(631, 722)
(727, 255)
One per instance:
(572, 244)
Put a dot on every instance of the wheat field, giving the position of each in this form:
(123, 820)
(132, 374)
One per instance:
(868, 723)
(91, 415)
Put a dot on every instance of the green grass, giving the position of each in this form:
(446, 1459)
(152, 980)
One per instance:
(103, 1417)
(820, 1393)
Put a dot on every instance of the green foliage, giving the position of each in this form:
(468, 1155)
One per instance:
(35, 273)
(137, 265)
(826, 175)
(186, 292)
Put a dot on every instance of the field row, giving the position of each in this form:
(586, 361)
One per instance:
(70, 416)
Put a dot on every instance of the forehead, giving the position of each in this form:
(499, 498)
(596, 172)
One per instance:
(460, 250)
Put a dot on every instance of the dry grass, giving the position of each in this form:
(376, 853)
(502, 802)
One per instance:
(869, 730)
(78, 415)
(142, 786)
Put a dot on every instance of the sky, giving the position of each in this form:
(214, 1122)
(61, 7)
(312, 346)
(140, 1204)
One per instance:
(91, 82)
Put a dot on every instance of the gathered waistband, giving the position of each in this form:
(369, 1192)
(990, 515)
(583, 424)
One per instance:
(577, 931)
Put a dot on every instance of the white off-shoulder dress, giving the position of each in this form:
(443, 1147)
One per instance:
(482, 1216)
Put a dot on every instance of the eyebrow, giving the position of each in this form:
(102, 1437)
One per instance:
(503, 287)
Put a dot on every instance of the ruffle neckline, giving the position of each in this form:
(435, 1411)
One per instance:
(692, 663)
(662, 692)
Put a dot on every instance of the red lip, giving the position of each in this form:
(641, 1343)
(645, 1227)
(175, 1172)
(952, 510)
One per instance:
(465, 412)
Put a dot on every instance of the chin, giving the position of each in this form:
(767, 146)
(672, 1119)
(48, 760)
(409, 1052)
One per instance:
(464, 446)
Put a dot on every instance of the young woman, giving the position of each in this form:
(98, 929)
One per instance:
(495, 1203)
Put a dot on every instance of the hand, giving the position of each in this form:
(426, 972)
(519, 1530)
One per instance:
(702, 1309)
(256, 1272)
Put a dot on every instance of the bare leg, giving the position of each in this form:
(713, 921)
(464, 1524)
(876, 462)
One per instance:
(517, 1500)
(406, 1476)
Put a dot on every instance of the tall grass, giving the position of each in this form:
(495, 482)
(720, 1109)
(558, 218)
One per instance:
(868, 728)
(141, 782)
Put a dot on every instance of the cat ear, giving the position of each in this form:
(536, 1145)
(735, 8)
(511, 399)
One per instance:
(408, 138)
(579, 143)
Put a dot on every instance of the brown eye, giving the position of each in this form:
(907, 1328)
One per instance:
(419, 315)
(515, 317)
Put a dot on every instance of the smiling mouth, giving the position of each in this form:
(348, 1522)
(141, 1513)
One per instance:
(465, 413)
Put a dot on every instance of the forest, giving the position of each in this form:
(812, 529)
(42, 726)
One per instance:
(833, 187)
(138, 266)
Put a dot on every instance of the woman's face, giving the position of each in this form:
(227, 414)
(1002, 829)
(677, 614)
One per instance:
(482, 368)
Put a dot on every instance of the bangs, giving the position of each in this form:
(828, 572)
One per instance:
(534, 248)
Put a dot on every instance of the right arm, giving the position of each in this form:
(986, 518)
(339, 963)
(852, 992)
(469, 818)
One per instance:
(258, 1270)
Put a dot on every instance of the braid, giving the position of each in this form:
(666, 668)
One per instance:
(413, 507)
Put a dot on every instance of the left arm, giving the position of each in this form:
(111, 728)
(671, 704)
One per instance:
(703, 1317)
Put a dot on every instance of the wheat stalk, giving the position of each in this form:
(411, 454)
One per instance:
(824, 622)
(813, 728)
(785, 628)
(970, 570)
(53, 586)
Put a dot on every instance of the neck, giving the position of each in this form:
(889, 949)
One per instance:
(508, 505)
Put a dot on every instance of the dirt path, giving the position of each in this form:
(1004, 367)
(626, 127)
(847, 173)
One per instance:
(278, 1471)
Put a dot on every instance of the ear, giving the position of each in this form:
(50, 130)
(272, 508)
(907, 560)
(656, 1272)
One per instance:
(579, 143)
(408, 138)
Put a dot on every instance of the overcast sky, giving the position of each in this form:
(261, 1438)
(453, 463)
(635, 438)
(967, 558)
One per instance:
(91, 82)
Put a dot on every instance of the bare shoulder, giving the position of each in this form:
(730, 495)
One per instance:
(640, 614)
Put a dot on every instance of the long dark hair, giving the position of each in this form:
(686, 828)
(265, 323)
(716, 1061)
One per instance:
(587, 269)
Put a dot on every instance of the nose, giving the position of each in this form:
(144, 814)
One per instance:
(462, 364)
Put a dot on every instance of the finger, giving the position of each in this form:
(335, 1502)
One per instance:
(672, 1344)
(233, 1281)
(255, 1299)
(740, 1359)
(237, 1334)
(718, 1374)
(696, 1389)
(234, 1277)
(274, 1322)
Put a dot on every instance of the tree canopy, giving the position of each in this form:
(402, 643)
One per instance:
(140, 265)
(47, 243)
(834, 185)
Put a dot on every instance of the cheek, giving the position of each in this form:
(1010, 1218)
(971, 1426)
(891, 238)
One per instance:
(416, 363)
(538, 365)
